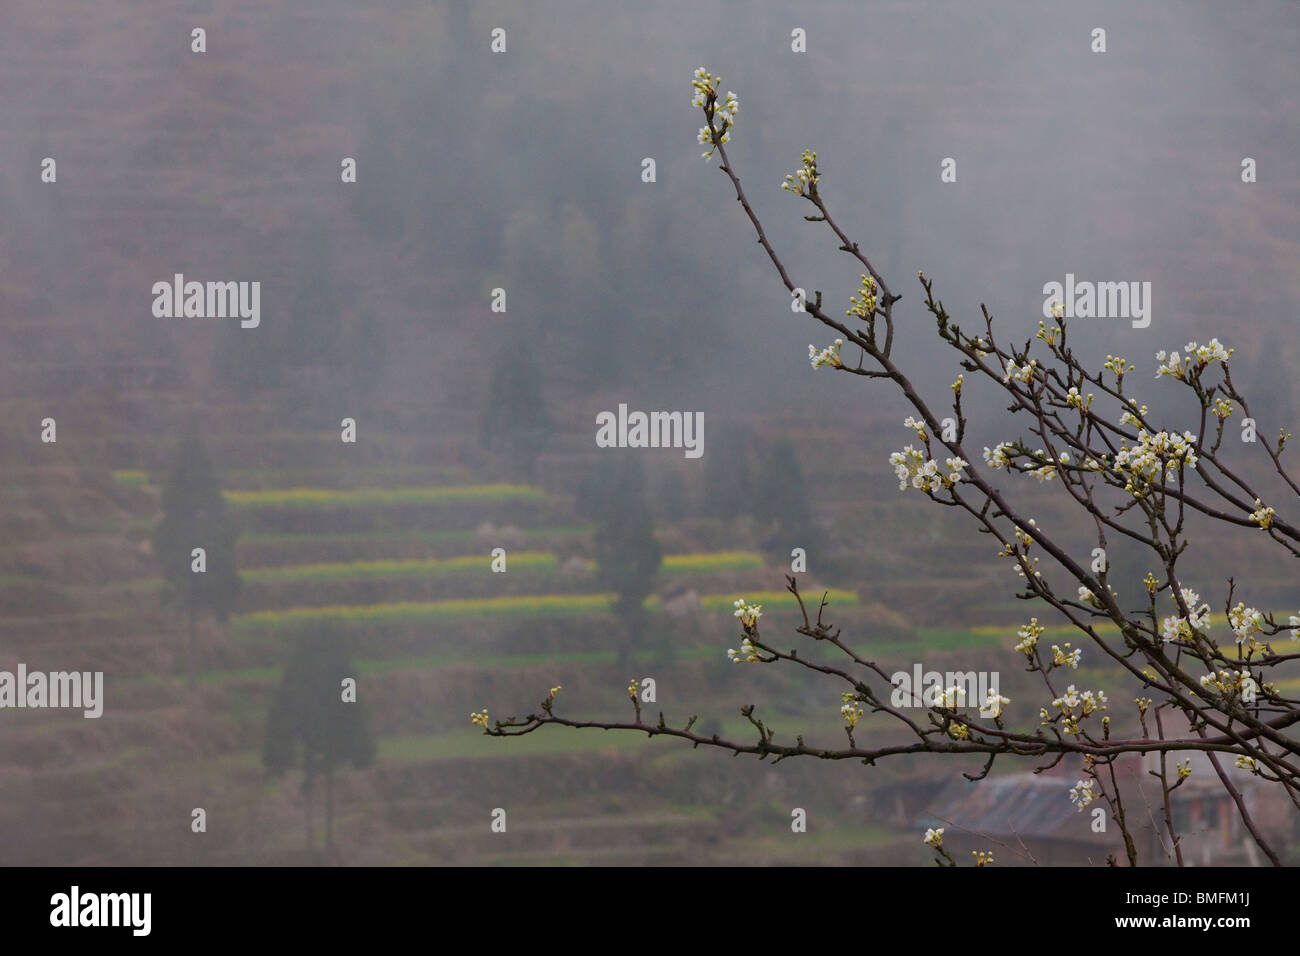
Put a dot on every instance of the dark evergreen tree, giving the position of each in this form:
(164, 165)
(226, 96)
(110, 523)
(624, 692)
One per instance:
(781, 500)
(312, 727)
(672, 499)
(628, 554)
(729, 474)
(195, 516)
(516, 420)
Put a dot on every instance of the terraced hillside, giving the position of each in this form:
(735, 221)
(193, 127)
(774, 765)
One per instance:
(405, 569)
(481, 173)
(436, 633)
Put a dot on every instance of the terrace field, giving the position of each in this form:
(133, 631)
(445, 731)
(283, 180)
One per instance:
(436, 634)
(476, 177)
(406, 571)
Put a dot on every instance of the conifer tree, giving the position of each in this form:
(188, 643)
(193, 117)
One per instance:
(315, 724)
(195, 517)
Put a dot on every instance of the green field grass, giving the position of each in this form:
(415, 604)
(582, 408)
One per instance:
(536, 605)
(374, 667)
(416, 568)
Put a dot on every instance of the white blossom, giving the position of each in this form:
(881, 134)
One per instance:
(998, 457)
(827, 356)
(1179, 628)
(1262, 515)
(722, 117)
(994, 704)
(1082, 793)
(748, 613)
(913, 468)
(952, 697)
(1245, 622)
(1154, 457)
(1176, 366)
(1023, 374)
(1231, 683)
(1075, 400)
(748, 653)
(1075, 704)
(1067, 701)
(1029, 634)
(1066, 658)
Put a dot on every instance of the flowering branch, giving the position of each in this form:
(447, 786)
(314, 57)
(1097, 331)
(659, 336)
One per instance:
(1131, 477)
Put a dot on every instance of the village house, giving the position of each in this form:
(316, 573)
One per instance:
(1026, 817)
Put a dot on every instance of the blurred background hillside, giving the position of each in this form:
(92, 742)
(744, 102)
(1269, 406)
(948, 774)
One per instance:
(475, 429)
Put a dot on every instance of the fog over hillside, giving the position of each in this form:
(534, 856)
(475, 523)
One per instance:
(485, 177)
